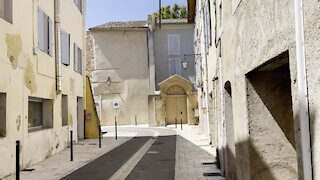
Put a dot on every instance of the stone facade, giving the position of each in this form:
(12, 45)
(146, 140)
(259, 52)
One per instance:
(251, 66)
(134, 58)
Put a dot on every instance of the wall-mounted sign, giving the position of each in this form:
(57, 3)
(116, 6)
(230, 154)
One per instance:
(115, 104)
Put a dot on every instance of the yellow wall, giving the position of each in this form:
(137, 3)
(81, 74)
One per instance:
(31, 72)
(91, 119)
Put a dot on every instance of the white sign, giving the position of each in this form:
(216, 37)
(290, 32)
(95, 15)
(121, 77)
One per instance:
(116, 104)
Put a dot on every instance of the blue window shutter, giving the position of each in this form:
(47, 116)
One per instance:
(40, 30)
(50, 43)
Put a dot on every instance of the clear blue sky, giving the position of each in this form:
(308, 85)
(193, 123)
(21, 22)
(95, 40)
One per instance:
(102, 11)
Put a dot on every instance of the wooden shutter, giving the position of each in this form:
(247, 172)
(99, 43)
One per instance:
(50, 43)
(65, 48)
(75, 57)
(40, 30)
(173, 45)
(177, 66)
(79, 60)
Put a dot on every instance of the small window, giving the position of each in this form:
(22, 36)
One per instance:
(78, 3)
(6, 10)
(77, 59)
(235, 5)
(65, 48)
(174, 66)
(219, 20)
(207, 25)
(3, 115)
(44, 32)
(40, 114)
(174, 44)
(64, 110)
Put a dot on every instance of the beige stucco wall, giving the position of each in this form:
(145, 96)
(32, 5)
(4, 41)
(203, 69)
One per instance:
(257, 32)
(32, 73)
(122, 56)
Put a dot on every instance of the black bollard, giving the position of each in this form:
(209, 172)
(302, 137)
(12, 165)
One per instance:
(116, 124)
(176, 122)
(71, 146)
(135, 119)
(17, 160)
(181, 124)
(165, 122)
(99, 136)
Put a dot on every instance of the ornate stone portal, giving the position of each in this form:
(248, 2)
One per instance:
(176, 102)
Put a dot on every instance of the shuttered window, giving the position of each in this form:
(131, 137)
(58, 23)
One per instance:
(77, 66)
(78, 3)
(6, 10)
(174, 66)
(44, 32)
(65, 48)
(174, 44)
(207, 25)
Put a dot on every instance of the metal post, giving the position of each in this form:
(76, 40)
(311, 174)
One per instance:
(176, 122)
(71, 146)
(165, 122)
(99, 136)
(135, 119)
(115, 123)
(17, 160)
(181, 121)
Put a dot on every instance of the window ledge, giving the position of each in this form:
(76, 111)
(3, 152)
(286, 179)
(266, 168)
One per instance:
(36, 129)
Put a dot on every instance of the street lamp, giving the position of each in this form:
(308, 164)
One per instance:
(185, 64)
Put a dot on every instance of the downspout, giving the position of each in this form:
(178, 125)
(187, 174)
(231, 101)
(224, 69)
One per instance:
(206, 89)
(57, 30)
(302, 94)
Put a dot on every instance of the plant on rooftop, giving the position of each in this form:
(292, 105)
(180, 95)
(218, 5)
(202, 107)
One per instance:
(174, 12)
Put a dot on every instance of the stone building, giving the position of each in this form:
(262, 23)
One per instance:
(258, 108)
(146, 69)
(41, 81)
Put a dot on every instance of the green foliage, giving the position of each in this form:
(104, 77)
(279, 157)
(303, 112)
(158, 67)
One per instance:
(174, 12)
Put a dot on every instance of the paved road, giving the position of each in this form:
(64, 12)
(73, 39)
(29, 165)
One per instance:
(153, 153)
(105, 166)
(138, 153)
(158, 162)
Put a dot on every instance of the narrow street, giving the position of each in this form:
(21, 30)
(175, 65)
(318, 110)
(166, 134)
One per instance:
(138, 153)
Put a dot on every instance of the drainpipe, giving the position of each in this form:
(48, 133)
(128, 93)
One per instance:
(57, 30)
(207, 127)
(302, 93)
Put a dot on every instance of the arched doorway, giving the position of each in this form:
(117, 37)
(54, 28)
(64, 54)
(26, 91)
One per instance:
(176, 105)
(178, 101)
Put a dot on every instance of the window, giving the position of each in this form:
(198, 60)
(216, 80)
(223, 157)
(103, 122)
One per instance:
(44, 32)
(207, 17)
(65, 48)
(174, 44)
(235, 5)
(6, 10)
(64, 110)
(77, 59)
(174, 66)
(78, 3)
(219, 19)
(40, 114)
(3, 115)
